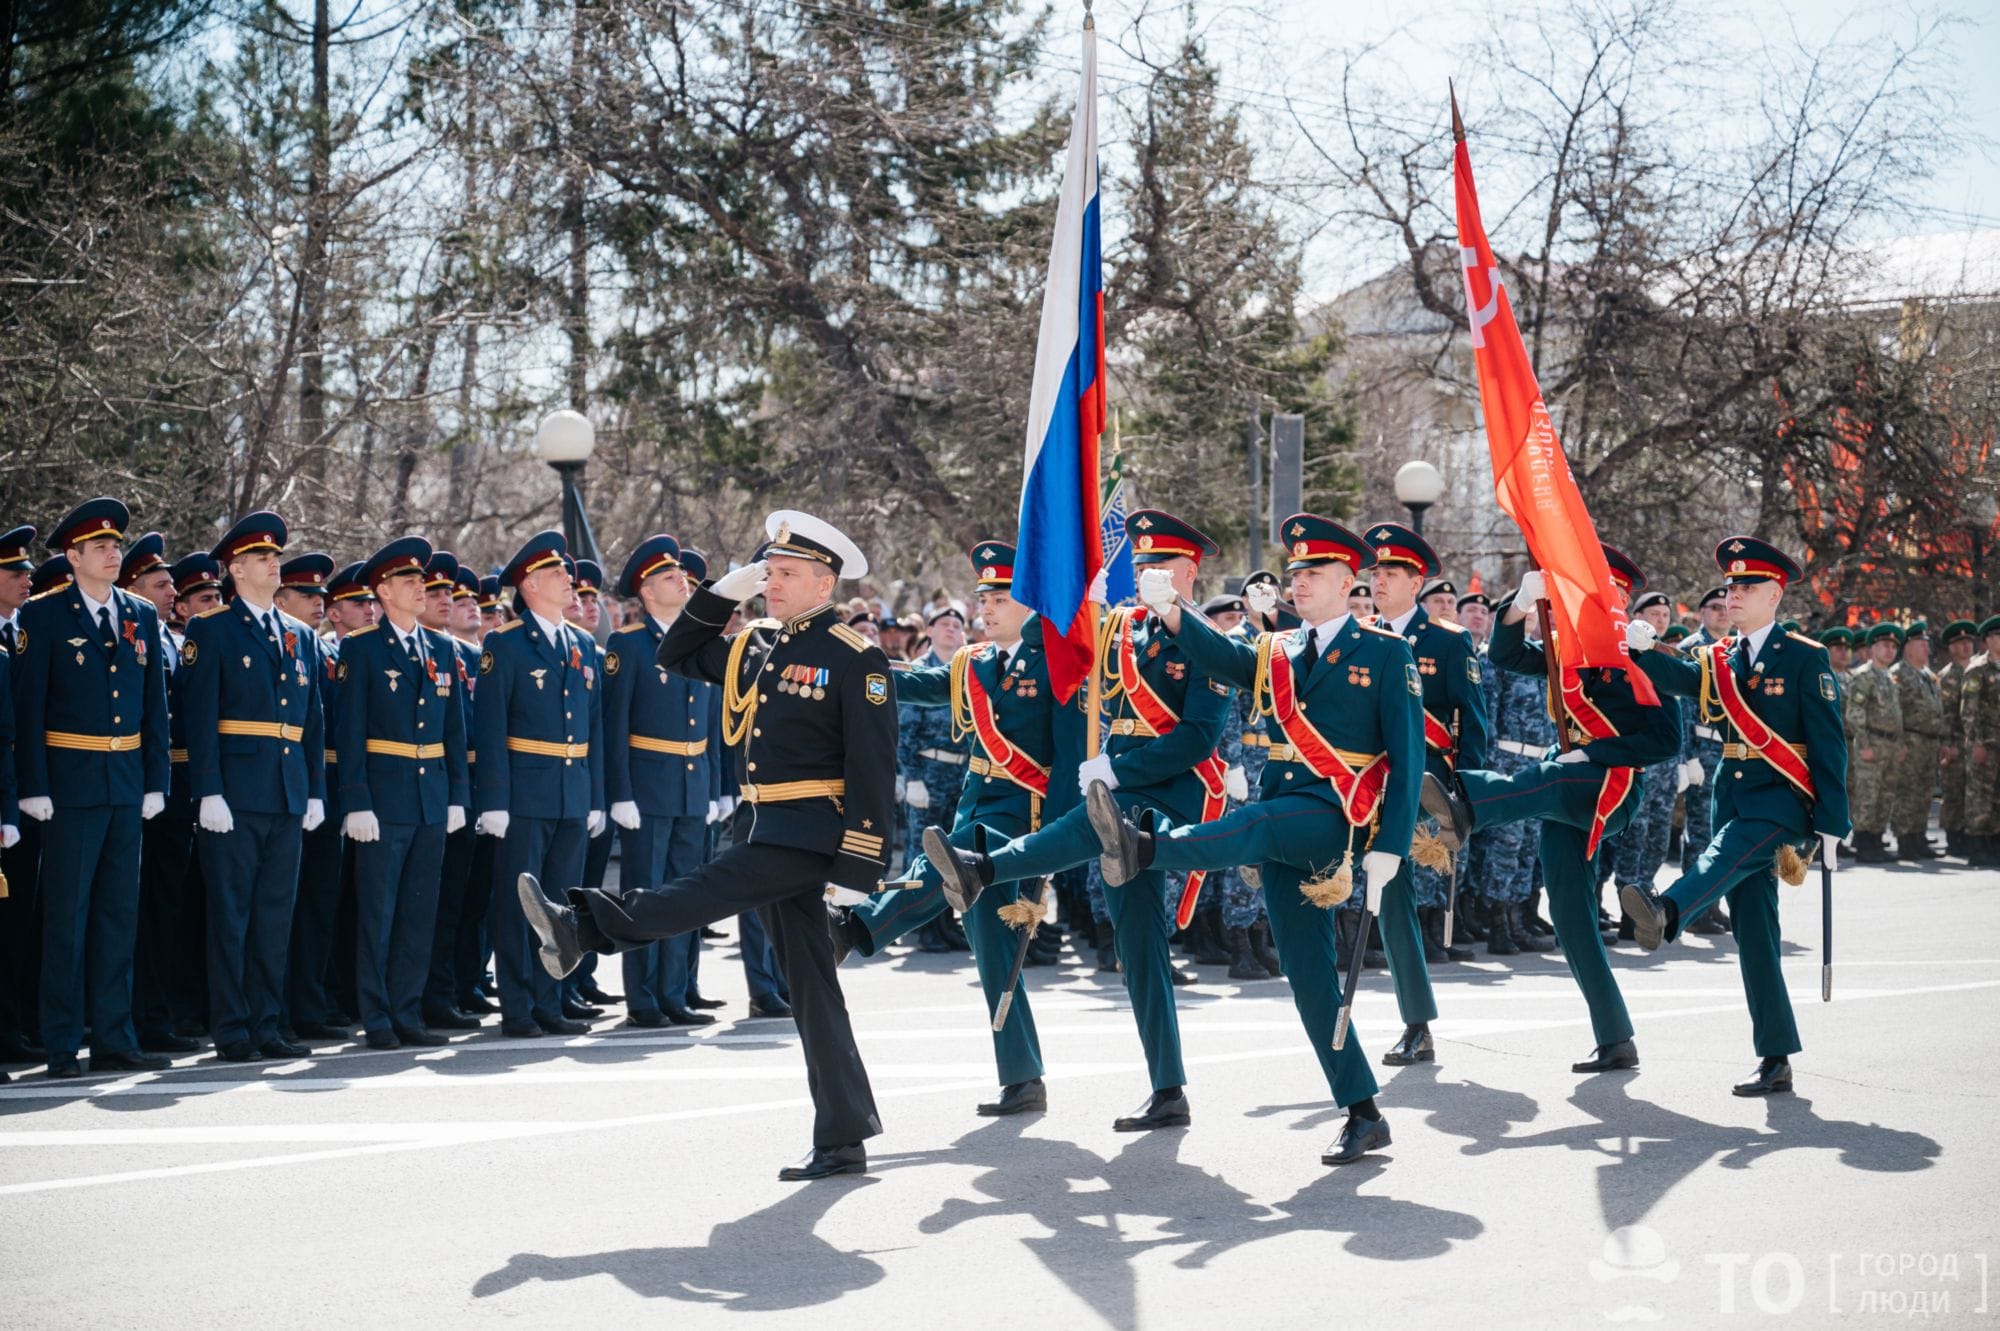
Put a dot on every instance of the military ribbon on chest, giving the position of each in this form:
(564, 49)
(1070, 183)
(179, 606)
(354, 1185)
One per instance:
(806, 681)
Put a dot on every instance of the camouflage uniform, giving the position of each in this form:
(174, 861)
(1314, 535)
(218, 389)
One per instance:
(1522, 734)
(1916, 771)
(1477, 861)
(1702, 740)
(921, 730)
(1951, 774)
(1979, 720)
(1245, 744)
(1874, 721)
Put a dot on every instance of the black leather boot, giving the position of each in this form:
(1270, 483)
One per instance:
(1243, 963)
(1500, 937)
(1267, 955)
(1430, 925)
(1524, 937)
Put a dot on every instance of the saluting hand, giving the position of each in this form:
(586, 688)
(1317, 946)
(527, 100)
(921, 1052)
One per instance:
(740, 584)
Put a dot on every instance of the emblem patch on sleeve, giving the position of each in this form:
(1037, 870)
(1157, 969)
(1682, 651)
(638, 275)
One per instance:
(611, 663)
(1472, 668)
(1827, 689)
(187, 653)
(1415, 681)
(877, 689)
(486, 663)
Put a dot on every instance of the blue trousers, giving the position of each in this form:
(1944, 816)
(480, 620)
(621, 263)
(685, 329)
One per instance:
(596, 863)
(552, 850)
(1741, 862)
(90, 924)
(253, 876)
(454, 887)
(760, 959)
(657, 975)
(1017, 1050)
(315, 913)
(396, 891)
(1139, 913)
(1295, 838)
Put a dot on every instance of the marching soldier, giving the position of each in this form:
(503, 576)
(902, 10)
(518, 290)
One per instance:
(811, 704)
(257, 764)
(401, 740)
(1782, 786)
(1961, 644)
(1357, 758)
(1638, 852)
(536, 724)
(1167, 717)
(1874, 730)
(1021, 773)
(1455, 725)
(91, 743)
(1582, 795)
(465, 883)
(1979, 719)
(1922, 707)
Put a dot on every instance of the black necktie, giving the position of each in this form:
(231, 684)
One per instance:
(104, 627)
(7, 636)
(1312, 655)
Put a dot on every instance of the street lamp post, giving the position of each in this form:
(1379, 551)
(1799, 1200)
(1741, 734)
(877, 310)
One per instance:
(1418, 486)
(565, 440)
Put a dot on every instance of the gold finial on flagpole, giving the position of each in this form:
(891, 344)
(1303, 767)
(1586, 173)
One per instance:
(1089, 19)
(1457, 125)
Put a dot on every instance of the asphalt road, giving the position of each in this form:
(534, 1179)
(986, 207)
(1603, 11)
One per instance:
(630, 1174)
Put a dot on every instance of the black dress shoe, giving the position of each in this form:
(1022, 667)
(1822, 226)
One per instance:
(340, 1020)
(769, 1005)
(127, 1060)
(1648, 914)
(1609, 1058)
(450, 1019)
(563, 1025)
(1773, 1075)
(166, 1042)
(1021, 1098)
(1416, 1046)
(1453, 814)
(590, 993)
(277, 1048)
(699, 1004)
(1163, 1109)
(846, 932)
(1124, 849)
(476, 1002)
(319, 1030)
(825, 1162)
(554, 926)
(64, 1066)
(21, 1049)
(579, 1011)
(521, 1030)
(384, 1040)
(646, 1020)
(680, 1016)
(711, 933)
(1178, 977)
(241, 1051)
(1358, 1136)
(421, 1037)
(962, 874)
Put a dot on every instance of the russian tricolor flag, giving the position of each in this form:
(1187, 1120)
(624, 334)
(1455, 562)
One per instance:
(1060, 547)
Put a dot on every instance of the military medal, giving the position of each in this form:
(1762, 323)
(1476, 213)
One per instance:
(539, 681)
(395, 675)
(1153, 649)
(1007, 683)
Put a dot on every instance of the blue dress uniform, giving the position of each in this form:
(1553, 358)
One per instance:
(401, 740)
(1776, 789)
(1566, 797)
(462, 896)
(1154, 771)
(1456, 729)
(588, 577)
(194, 574)
(257, 741)
(20, 920)
(92, 736)
(1638, 852)
(1702, 741)
(536, 725)
(662, 753)
(1026, 718)
(1359, 696)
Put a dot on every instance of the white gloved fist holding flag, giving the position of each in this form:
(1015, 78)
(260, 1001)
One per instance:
(1156, 588)
(1262, 598)
(1531, 590)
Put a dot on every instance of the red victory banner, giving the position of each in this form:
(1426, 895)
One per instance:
(1530, 472)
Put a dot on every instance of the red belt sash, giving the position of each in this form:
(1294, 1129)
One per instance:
(1162, 719)
(1438, 735)
(1360, 790)
(1770, 746)
(1022, 770)
(1618, 781)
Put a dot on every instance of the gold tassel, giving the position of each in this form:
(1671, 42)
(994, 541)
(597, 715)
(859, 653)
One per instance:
(1025, 912)
(1326, 893)
(1427, 849)
(1790, 867)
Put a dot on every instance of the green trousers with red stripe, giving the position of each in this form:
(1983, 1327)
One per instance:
(1741, 863)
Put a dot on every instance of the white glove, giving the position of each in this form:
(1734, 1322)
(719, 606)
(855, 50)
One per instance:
(740, 584)
(1576, 755)
(836, 895)
(1378, 866)
(493, 822)
(1531, 590)
(151, 803)
(714, 812)
(1100, 586)
(1156, 588)
(1262, 598)
(902, 788)
(1640, 636)
(39, 807)
(454, 818)
(214, 815)
(625, 813)
(728, 803)
(10, 836)
(1680, 779)
(1236, 785)
(315, 814)
(1829, 850)
(1096, 769)
(594, 823)
(362, 825)
(1692, 770)
(917, 795)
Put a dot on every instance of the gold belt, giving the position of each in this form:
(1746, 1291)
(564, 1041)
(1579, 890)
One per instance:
(1254, 740)
(1289, 753)
(1743, 753)
(548, 749)
(987, 767)
(777, 792)
(390, 748)
(1134, 725)
(63, 739)
(261, 729)
(680, 748)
